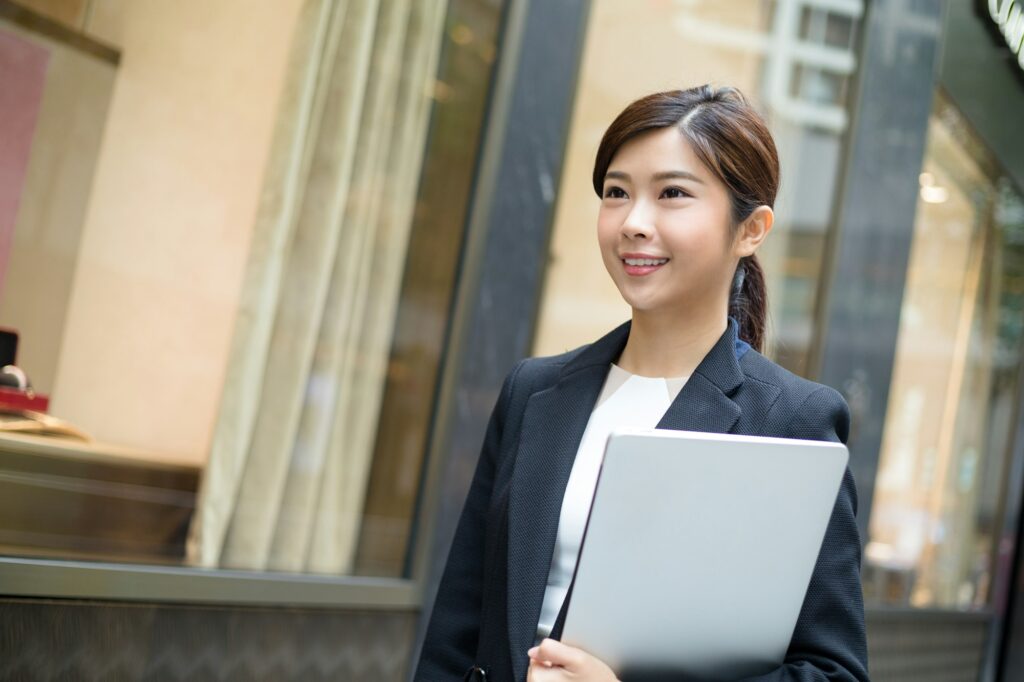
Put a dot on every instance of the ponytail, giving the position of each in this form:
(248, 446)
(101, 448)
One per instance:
(748, 301)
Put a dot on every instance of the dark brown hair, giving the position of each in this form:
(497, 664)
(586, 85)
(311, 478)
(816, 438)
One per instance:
(732, 140)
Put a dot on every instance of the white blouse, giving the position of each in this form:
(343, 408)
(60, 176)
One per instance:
(626, 401)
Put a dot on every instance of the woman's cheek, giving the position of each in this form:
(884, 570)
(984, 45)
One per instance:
(699, 245)
(608, 244)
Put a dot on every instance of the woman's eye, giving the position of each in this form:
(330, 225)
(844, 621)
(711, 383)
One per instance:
(674, 193)
(614, 193)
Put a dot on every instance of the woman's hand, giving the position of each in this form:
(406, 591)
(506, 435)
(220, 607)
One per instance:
(553, 661)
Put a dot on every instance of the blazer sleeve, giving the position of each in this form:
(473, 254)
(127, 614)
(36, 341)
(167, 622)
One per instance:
(829, 641)
(450, 642)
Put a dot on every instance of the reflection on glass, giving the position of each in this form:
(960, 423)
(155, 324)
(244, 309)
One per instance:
(794, 59)
(261, 283)
(937, 502)
(428, 285)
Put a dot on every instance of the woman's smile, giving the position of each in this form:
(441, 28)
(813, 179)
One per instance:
(640, 264)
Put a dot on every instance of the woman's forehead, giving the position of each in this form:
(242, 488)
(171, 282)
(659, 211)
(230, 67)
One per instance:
(656, 153)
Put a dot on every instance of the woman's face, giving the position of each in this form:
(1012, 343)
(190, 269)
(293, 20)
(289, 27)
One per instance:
(664, 227)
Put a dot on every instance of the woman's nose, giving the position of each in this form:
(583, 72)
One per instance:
(639, 223)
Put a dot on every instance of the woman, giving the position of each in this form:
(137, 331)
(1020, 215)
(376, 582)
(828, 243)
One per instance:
(687, 180)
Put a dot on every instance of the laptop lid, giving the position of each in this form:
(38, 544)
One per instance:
(699, 549)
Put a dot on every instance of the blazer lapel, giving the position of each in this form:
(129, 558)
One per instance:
(551, 431)
(704, 404)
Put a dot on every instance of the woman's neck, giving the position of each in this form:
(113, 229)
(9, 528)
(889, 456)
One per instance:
(667, 345)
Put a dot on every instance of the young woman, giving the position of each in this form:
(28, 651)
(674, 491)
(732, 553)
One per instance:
(687, 180)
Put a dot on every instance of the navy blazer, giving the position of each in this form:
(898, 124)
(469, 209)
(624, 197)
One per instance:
(489, 599)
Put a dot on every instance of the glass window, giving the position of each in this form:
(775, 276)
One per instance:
(938, 501)
(231, 273)
(794, 60)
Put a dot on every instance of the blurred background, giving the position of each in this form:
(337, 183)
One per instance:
(265, 263)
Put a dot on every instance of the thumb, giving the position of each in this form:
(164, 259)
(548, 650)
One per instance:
(560, 654)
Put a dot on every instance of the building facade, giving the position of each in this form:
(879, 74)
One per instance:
(269, 263)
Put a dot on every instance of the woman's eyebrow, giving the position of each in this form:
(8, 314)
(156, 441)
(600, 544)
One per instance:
(657, 177)
(677, 175)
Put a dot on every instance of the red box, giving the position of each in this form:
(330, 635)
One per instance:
(13, 400)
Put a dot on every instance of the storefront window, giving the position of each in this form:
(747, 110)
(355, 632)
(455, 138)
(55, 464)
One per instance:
(939, 495)
(239, 345)
(794, 59)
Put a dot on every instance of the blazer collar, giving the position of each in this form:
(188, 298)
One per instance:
(720, 366)
(550, 433)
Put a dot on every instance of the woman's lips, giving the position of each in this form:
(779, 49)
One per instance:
(640, 270)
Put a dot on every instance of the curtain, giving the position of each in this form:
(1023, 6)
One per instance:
(290, 454)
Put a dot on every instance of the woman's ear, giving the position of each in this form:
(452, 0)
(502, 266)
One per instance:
(753, 231)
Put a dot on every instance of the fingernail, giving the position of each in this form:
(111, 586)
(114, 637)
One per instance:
(532, 652)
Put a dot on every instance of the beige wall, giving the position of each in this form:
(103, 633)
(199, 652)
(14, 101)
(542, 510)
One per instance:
(167, 229)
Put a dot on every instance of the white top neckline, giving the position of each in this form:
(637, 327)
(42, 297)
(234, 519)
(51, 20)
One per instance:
(618, 376)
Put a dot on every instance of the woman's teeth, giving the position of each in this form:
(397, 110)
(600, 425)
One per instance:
(645, 261)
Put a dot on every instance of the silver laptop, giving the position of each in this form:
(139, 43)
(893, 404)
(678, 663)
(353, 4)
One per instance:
(699, 550)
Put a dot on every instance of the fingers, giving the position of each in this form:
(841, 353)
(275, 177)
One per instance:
(552, 661)
(542, 670)
(554, 652)
(535, 658)
(539, 672)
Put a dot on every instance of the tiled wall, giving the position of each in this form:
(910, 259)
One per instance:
(50, 640)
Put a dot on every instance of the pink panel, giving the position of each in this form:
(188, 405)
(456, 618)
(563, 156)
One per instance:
(22, 79)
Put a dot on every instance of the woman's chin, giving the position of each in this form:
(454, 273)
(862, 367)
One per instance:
(642, 306)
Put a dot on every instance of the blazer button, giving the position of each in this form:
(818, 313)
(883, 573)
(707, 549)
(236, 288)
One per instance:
(475, 674)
